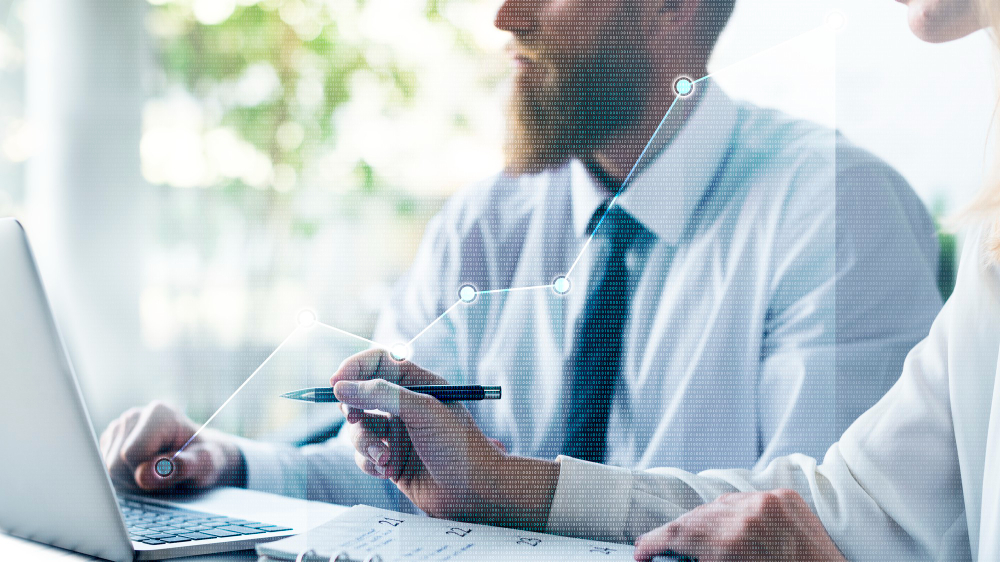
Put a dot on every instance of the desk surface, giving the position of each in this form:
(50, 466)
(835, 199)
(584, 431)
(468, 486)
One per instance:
(14, 548)
(248, 504)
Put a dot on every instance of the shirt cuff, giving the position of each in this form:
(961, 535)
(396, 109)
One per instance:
(264, 467)
(591, 500)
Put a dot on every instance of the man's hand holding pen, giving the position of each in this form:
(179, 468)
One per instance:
(433, 451)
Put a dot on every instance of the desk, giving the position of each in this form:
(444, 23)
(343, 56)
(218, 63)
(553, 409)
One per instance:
(17, 549)
(250, 504)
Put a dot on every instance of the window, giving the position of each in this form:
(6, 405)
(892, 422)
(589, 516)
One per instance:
(296, 149)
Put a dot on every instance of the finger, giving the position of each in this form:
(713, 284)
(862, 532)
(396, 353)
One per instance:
(351, 414)
(378, 364)
(399, 447)
(109, 434)
(375, 424)
(129, 421)
(112, 437)
(371, 447)
(104, 439)
(111, 443)
(382, 440)
(155, 431)
(696, 534)
(383, 395)
(192, 466)
(369, 435)
(147, 479)
(354, 415)
(662, 540)
(731, 498)
(120, 472)
(367, 466)
(360, 366)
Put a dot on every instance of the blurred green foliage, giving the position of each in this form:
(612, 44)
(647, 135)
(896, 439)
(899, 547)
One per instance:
(208, 59)
(308, 49)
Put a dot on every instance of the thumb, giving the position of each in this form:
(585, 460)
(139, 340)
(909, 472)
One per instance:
(187, 465)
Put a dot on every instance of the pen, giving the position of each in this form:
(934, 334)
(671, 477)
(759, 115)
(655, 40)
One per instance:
(443, 392)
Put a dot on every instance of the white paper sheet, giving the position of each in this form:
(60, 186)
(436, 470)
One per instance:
(398, 537)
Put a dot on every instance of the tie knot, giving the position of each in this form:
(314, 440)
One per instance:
(616, 226)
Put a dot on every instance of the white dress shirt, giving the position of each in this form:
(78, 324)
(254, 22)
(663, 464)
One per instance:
(917, 477)
(789, 274)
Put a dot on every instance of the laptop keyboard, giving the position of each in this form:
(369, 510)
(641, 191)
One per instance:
(157, 524)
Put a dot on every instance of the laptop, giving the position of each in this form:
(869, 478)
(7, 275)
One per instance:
(54, 487)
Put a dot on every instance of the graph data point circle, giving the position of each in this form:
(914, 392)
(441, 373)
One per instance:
(164, 467)
(561, 285)
(467, 293)
(306, 318)
(683, 86)
(836, 20)
(401, 352)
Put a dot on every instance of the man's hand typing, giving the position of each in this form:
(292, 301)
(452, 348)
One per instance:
(132, 443)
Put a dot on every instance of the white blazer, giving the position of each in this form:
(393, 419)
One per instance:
(917, 477)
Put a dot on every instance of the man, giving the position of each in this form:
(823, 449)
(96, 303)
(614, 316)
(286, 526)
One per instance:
(916, 477)
(732, 305)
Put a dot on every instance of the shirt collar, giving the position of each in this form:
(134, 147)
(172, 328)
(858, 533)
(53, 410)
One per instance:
(664, 194)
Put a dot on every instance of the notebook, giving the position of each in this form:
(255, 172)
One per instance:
(365, 533)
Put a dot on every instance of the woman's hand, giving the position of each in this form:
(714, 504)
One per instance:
(433, 451)
(759, 526)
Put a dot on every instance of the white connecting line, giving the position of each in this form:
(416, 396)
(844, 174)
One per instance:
(405, 348)
(512, 289)
(349, 334)
(830, 25)
(257, 370)
(408, 345)
(233, 395)
(622, 188)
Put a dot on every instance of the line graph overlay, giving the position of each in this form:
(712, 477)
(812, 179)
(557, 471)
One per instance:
(350, 335)
(561, 285)
(512, 289)
(435, 321)
(830, 25)
(622, 187)
(237, 391)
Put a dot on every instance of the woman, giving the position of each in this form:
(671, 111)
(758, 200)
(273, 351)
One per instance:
(917, 477)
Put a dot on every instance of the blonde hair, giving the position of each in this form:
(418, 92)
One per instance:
(987, 204)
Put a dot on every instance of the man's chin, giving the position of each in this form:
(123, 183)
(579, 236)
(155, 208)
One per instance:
(529, 166)
(940, 21)
(523, 64)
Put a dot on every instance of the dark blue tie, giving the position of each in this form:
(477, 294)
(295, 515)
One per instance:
(595, 363)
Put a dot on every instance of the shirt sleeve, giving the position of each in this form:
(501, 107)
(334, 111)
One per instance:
(327, 471)
(854, 289)
(322, 472)
(890, 489)
(420, 309)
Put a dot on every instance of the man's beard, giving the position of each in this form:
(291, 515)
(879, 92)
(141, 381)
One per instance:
(578, 105)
